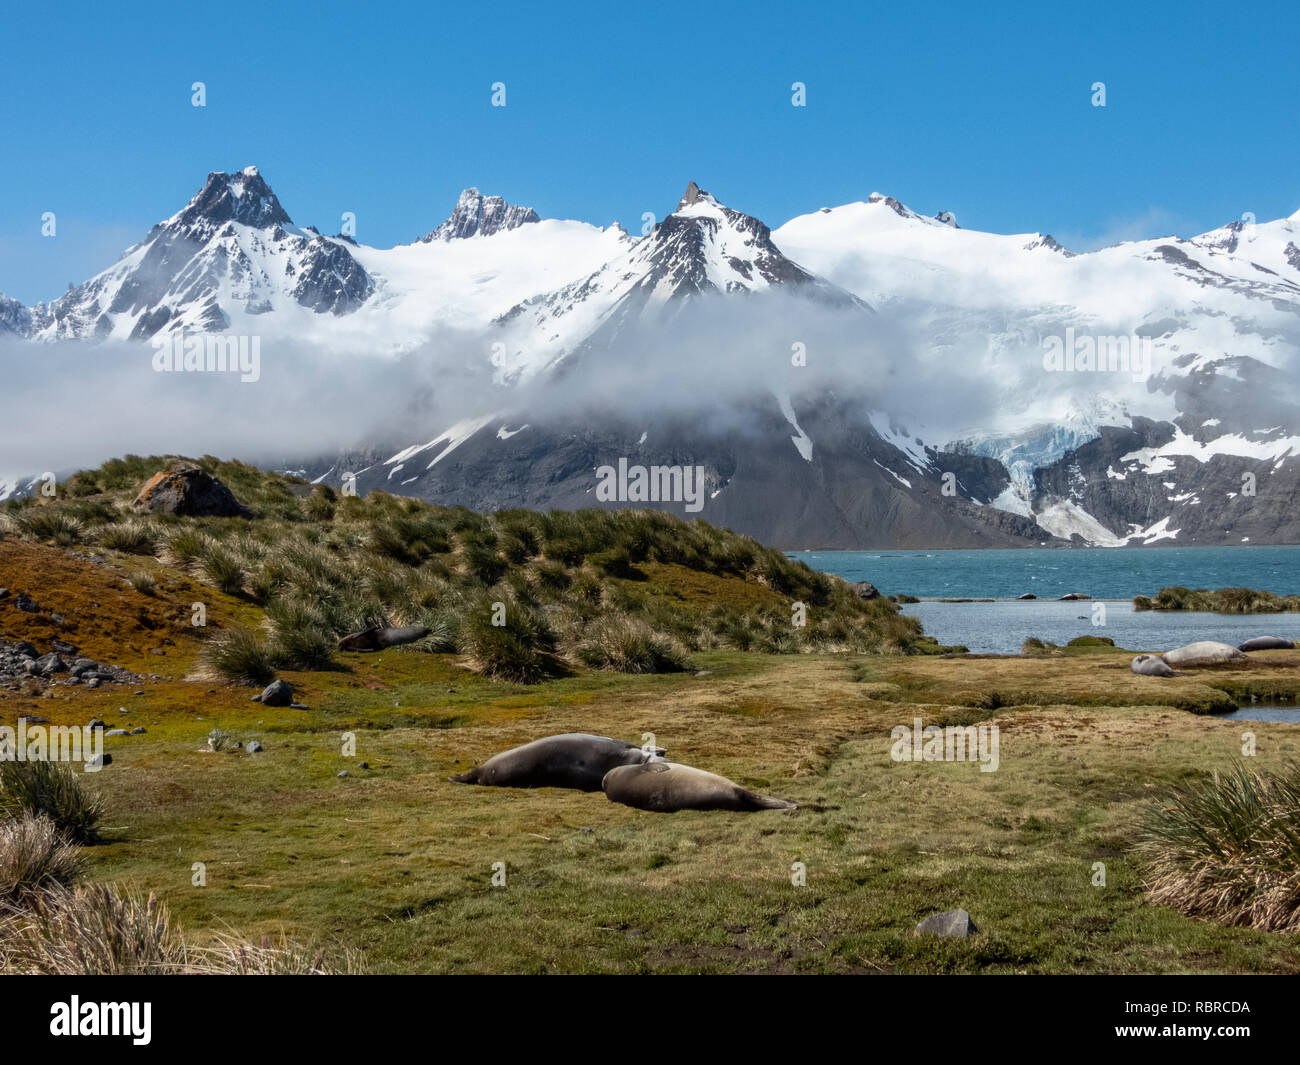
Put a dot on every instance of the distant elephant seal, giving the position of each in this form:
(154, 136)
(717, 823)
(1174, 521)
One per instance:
(379, 637)
(1203, 653)
(573, 760)
(666, 787)
(1151, 666)
(1266, 643)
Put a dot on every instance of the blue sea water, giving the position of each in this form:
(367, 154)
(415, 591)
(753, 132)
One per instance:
(1111, 576)
(1102, 572)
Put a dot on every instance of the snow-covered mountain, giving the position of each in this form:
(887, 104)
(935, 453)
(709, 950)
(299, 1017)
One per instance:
(1143, 393)
(230, 255)
(702, 249)
(477, 215)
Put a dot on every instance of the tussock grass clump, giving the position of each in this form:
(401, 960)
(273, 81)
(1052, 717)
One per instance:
(91, 931)
(1228, 848)
(132, 537)
(143, 582)
(34, 856)
(185, 546)
(300, 636)
(49, 525)
(220, 567)
(627, 645)
(237, 655)
(1222, 601)
(97, 930)
(521, 648)
(49, 789)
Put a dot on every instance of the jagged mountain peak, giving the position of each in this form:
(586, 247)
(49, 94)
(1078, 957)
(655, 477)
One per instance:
(476, 215)
(242, 197)
(694, 195)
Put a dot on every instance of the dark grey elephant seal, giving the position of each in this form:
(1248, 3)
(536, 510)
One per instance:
(379, 637)
(1266, 643)
(573, 760)
(666, 787)
(1151, 666)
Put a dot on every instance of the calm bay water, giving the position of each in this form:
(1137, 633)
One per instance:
(1102, 572)
(1114, 575)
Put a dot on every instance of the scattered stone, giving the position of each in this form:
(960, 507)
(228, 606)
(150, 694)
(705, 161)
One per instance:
(25, 648)
(51, 663)
(139, 731)
(299, 706)
(139, 693)
(27, 603)
(953, 923)
(116, 732)
(56, 618)
(364, 765)
(96, 723)
(253, 747)
(99, 761)
(277, 693)
(63, 648)
(92, 682)
(343, 772)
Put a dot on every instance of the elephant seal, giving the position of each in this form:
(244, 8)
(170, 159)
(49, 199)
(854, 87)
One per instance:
(1266, 643)
(379, 637)
(1203, 653)
(1151, 666)
(573, 760)
(666, 787)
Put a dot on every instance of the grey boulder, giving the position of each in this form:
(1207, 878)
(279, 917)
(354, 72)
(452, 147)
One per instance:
(952, 923)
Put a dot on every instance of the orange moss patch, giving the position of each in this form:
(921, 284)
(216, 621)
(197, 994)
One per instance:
(693, 587)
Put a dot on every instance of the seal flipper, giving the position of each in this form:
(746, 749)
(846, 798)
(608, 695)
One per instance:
(468, 777)
(771, 802)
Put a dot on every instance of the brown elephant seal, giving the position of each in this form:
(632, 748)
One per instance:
(1203, 653)
(379, 637)
(1267, 643)
(1151, 666)
(573, 760)
(666, 787)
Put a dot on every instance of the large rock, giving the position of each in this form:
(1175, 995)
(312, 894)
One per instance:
(865, 590)
(1151, 666)
(188, 491)
(1203, 653)
(954, 923)
(1266, 643)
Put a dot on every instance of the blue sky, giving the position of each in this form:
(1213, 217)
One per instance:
(385, 111)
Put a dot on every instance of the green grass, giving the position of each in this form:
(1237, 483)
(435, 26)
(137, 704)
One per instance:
(1222, 601)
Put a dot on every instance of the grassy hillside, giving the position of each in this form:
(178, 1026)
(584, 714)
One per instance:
(390, 867)
(521, 594)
